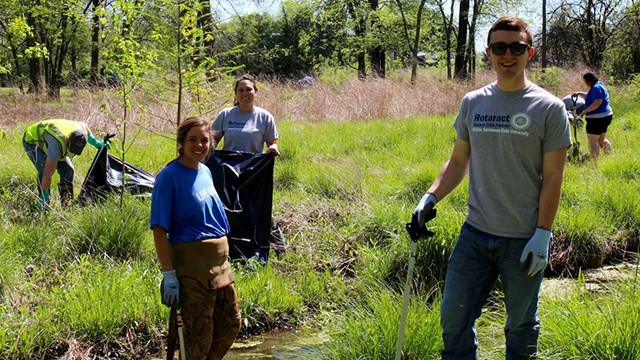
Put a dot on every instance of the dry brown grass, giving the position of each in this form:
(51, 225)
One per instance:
(390, 98)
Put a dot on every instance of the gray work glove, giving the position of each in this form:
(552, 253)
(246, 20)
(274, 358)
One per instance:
(170, 289)
(425, 205)
(537, 249)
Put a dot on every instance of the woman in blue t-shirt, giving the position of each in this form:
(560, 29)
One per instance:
(189, 230)
(598, 114)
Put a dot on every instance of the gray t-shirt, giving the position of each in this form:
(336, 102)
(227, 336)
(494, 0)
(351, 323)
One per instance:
(54, 149)
(508, 133)
(246, 131)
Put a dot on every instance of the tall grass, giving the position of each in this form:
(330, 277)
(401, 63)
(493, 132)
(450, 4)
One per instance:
(367, 328)
(593, 326)
(344, 190)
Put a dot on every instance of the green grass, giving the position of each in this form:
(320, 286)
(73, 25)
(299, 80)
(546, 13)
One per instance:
(344, 191)
(367, 327)
(588, 325)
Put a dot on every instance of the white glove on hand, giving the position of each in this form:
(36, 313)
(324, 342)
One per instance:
(170, 289)
(538, 249)
(426, 204)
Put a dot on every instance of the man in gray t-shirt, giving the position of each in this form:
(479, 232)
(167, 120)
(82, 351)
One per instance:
(512, 139)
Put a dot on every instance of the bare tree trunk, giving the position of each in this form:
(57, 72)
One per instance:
(413, 47)
(360, 30)
(471, 44)
(362, 66)
(460, 65)
(36, 85)
(14, 51)
(53, 71)
(94, 79)
(378, 63)
(543, 51)
(448, 26)
(206, 22)
(449, 33)
(377, 53)
(590, 36)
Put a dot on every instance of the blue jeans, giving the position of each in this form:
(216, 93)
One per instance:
(38, 157)
(474, 266)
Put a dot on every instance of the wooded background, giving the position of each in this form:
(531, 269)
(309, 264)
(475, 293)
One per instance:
(48, 44)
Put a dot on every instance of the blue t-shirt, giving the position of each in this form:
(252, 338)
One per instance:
(598, 91)
(185, 203)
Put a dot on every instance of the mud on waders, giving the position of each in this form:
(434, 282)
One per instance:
(415, 233)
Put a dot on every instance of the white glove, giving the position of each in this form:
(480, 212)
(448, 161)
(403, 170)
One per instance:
(538, 249)
(170, 289)
(425, 205)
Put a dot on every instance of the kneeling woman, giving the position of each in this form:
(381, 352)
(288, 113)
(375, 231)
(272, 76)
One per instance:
(189, 230)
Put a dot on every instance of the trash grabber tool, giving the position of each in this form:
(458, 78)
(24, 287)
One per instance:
(415, 233)
(575, 151)
(183, 353)
(172, 335)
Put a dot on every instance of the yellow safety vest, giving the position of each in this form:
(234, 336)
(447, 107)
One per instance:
(59, 129)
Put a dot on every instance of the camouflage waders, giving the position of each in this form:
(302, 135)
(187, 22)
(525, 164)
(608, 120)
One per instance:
(208, 297)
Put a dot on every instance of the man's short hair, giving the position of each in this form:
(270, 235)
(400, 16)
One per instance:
(77, 141)
(510, 23)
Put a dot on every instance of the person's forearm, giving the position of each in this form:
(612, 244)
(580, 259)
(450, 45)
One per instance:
(450, 176)
(553, 163)
(549, 199)
(162, 248)
(47, 174)
(595, 105)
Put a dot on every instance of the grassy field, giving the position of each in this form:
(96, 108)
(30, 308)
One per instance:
(84, 281)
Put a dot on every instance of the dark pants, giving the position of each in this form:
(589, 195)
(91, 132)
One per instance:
(477, 260)
(38, 157)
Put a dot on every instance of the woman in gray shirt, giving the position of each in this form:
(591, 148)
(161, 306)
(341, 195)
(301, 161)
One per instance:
(244, 126)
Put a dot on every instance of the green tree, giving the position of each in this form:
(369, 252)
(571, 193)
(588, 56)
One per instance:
(622, 57)
(14, 31)
(56, 24)
(293, 42)
(586, 25)
(413, 14)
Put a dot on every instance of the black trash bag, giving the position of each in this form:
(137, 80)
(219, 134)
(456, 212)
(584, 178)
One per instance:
(244, 182)
(105, 176)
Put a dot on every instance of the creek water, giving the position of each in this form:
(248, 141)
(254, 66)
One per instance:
(296, 344)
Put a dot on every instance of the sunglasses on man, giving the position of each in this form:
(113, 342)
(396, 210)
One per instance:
(499, 48)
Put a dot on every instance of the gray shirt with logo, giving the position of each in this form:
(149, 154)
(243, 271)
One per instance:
(509, 132)
(246, 131)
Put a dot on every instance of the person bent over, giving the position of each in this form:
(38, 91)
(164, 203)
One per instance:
(598, 114)
(50, 145)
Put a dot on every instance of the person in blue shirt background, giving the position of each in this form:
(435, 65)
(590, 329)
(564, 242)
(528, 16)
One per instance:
(189, 230)
(598, 114)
